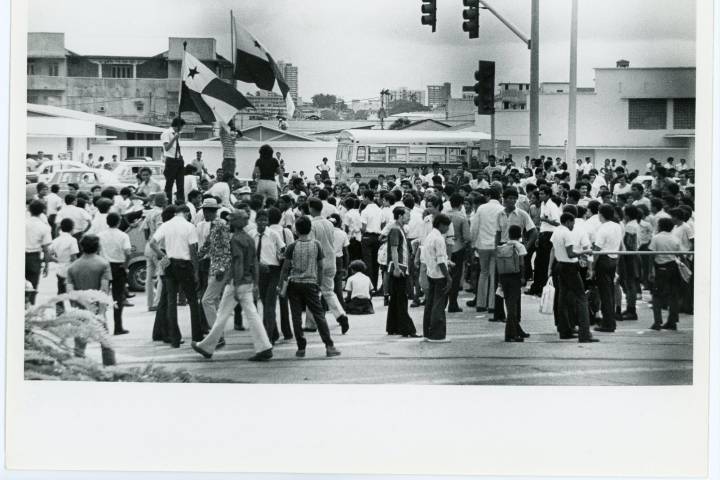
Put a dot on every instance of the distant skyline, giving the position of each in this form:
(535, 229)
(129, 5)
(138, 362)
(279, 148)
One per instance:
(355, 48)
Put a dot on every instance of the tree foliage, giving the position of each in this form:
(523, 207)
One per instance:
(324, 100)
(399, 124)
(402, 106)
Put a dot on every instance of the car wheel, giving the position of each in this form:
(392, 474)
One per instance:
(136, 276)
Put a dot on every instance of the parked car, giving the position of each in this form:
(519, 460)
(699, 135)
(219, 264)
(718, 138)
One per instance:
(46, 169)
(86, 178)
(137, 265)
(127, 171)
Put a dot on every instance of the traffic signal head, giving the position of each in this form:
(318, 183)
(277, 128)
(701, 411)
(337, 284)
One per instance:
(485, 88)
(429, 10)
(471, 14)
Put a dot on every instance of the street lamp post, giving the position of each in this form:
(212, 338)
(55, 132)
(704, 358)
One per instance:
(571, 155)
(535, 79)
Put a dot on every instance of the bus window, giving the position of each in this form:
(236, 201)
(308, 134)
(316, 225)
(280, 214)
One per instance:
(456, 155)
(397, 154)
(436, 154)
(418, 155)
(360, 156)
(377, 154)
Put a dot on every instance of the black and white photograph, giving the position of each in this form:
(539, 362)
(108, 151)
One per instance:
(408, 194)
(249, 204)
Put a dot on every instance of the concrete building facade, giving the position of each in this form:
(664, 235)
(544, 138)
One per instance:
(438, 95)
(631, 114)
(406, 94)
(290, 74)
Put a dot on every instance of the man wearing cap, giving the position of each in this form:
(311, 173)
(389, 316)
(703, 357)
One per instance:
(216, 251)
(174, 168)
(242, 290)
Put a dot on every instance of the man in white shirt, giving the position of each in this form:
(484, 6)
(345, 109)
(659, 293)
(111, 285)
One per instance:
(269, 247)
(37, 243)
(80, 217)
(621, 187)
(180, 238)
(483, 228)
(99, 221)
(609, 238)
(54, 203)
(355, 185)
(435, 258)
(65, 250)
(549, 220)
(328, 209)
(572, 300)
(174, 166)
(371, 217)
(587, 166)
(115, 248)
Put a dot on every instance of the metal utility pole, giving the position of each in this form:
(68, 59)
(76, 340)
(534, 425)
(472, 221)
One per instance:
(571, 156)
(381, 113)
(535, 79)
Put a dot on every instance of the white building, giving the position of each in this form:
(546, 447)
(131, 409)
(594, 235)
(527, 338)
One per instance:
(631, 114)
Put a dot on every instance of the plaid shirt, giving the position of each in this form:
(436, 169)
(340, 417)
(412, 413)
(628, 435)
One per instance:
(217, 247)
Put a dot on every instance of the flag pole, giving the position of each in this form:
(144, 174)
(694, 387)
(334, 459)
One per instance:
(232, 59)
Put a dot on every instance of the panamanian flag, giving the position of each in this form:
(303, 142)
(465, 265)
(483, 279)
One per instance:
(204, 93)
(254, 65)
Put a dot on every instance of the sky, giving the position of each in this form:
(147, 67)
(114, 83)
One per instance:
(355, 48)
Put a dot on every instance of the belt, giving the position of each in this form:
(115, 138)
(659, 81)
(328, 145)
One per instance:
(371, 233)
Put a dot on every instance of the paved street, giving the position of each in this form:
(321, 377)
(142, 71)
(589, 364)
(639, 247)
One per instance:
(475, 355)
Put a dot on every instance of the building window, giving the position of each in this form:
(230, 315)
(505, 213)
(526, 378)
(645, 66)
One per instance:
(53, 69)
(647, 114)
(31, 68)
(684, 113)
(121, 71)
(506, 105)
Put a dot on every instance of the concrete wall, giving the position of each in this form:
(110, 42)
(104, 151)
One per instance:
(46, 44)
(646, 82)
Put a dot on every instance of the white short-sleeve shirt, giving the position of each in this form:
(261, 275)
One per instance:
(178, 234)
(37, 234)
(609, 237)
(64, 247)
(113, 244)
(562, 238)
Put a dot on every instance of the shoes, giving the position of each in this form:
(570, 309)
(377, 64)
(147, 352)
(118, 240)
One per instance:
(415, 304)
(263, 356)
(306, 329)
(524, 334)
(471, 303)
(588, 340)
(344, 324)
(152, 309)
(220, 344)
(177, 345)
(129, 295)
(604, 329)
(669, 326)
(656, 326)
(331, 352)
(127, 304)
(454, 309)
(412, 335)
(239, 328)
(629, 316)
(568, 337)
(200, 350)
(515, 339)
(121, 332)
(300, 353)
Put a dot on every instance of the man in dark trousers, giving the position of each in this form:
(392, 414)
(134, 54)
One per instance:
(174, 168)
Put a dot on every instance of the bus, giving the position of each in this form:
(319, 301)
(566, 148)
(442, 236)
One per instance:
(374, 152)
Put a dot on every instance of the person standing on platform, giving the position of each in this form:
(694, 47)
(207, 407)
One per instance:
(228, 135)
(174, 167)
(398, 320)
(266, 168)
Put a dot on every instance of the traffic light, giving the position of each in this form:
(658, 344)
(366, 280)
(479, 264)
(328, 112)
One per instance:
(471, 14)
(429, 10)
(485, 88)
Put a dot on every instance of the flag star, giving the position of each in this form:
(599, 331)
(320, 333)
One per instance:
(193, 72)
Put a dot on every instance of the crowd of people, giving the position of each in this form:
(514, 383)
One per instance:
(309, 247)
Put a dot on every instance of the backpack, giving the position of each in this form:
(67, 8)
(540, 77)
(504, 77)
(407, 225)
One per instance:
(507, 259)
